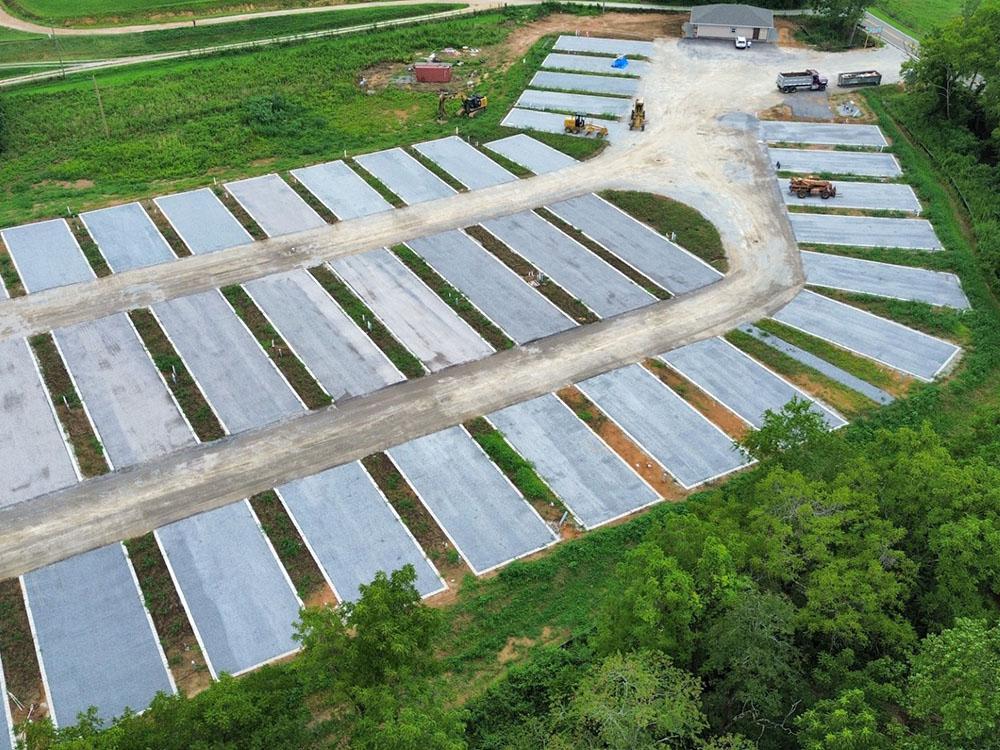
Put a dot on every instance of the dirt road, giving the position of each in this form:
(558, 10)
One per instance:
(700, 148)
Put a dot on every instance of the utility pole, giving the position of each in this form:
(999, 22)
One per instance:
(100, 106)
(55, 42)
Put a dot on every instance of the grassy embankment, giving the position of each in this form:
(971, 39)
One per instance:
(22, 47)
(180, 125)
(120, 12)
(916, 17)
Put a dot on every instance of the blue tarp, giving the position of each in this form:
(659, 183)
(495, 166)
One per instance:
(620, 62)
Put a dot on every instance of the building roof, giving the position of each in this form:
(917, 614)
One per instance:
(733, 14)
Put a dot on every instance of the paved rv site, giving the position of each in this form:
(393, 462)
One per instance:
(497, 252)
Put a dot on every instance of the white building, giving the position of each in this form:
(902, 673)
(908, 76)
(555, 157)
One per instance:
(729, 20)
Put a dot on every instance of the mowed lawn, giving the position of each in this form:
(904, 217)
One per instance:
(84, 12)
(917, 17)
(177, 125)
(17, 47)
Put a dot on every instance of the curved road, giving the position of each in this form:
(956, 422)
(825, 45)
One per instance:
(699, 148)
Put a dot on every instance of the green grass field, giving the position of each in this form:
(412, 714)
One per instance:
(183, 124)
(916, 17)
(113, 12)
(19, 47)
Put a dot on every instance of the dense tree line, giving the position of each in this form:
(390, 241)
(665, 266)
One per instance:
(952, 104)
(842, 596)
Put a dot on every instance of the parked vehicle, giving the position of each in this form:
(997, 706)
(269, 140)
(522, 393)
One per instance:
(803, 80)
(806, 186)
(578, 124)
(742, 42)
(860, 78)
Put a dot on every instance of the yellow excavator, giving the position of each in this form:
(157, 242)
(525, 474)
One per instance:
(637, 120)
(578, 125)
(472, 104)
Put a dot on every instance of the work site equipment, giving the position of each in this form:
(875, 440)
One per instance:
(808, 80)
(805, 186)
(860, 78)
(637, 120)
(472, 104)
(579, 125)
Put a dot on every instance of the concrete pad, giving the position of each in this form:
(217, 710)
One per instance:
(668, 428)
(864, 231)
(588, 104)
(243, 386)
(353, 532)
(601, 287)
(643, 248)
(341, 189)
(591, 64)
(869, 335)
(405, 176)
(133, 411)
(531, 154)
(740, 383)
(598, 45)
(821, 365)
(594, 482)
(338, 354)
(34, 457)
(94, 637)
(502, 296)
(127, 237)
(6, 721)
(420, 319)
(547, 79)
(550, 122)
(834, 134)
(46, 255)
(873, 196)
(273, 204)
(238, 597)
(862, 164)
(471, 167)
(884, 279)
(483, 514)
(202, 221)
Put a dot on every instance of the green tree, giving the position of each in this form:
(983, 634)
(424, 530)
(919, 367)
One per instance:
(796, 437)
(954, 686)
(841, 16)
(652, 604)
(633, 702)
(959, 68)
(846, 722)
(751, 662)
(837, 557)
(385, 637)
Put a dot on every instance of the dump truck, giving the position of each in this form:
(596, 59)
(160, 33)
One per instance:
(637, 120)
(860, 78)
(806, 186)
(803, 80)
(578, 125)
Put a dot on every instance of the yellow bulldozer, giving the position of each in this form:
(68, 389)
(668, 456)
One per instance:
(578, 125)
(806, 186)
(637, 120)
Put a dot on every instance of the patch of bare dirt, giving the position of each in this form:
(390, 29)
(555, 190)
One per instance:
(619, 442)
(786, 32)
(515, 647)
(68, 184)
(730, 424)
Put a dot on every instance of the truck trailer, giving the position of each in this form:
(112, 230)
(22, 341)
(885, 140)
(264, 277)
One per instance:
(803, 80)
(860, 78)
